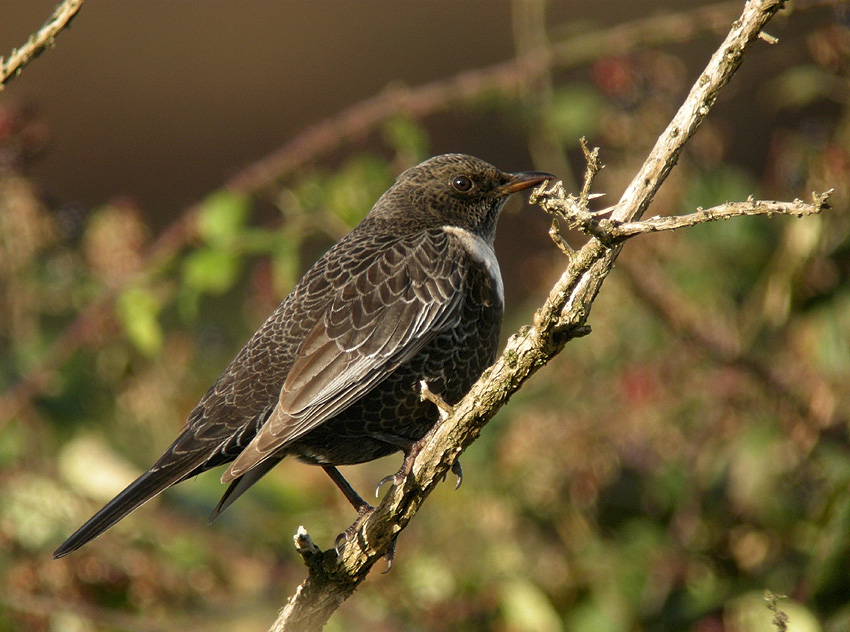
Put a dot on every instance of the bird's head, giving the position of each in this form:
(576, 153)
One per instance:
(453, 190)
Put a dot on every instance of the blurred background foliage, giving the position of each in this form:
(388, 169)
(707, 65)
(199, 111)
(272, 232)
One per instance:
(659, 475)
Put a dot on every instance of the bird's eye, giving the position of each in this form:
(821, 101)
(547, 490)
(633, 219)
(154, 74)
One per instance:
(462, 183)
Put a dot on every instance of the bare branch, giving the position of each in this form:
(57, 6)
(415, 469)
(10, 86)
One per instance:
(724, 211)
(38, 42)
(591, 157)
(556, 201)
(573, 210)
(562, 317)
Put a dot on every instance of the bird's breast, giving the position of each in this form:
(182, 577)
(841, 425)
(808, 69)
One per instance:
(482, 253)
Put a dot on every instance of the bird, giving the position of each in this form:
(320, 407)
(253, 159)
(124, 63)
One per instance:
(412, 295)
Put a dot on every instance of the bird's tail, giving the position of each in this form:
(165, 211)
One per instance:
(240, 485)
(134, 495)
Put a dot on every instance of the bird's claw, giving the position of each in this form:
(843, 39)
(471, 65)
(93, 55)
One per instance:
(348, 535)
(395, 479)
(390, 555)
(457, 470)
(341, 539)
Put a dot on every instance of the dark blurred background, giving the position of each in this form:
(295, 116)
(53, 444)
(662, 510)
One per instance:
(163, 101)
(169, 169)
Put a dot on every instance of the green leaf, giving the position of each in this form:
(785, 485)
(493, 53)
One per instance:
(573, 112)
(800, 86)
(526, 607)
(406, 136)
(259, 241)
(212, 270)
(223, 216)
(138, 310)
(286, 263)
(352, 191)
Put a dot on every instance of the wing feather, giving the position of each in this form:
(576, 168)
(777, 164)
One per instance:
(372, 325)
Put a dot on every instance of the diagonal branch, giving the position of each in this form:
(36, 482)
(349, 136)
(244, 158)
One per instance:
(332, 578)
(38, 41)
(723, 64)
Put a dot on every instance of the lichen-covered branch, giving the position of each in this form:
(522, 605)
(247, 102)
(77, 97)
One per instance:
(820, 202)
(723, 64)
(571, 209)
(36, 44)
(333, 578)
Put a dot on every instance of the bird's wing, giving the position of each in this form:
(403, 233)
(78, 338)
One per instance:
(382, 317)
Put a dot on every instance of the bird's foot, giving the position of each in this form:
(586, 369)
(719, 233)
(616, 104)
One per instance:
(363, 512)
(399, 477)
(406, 466)
(348, 535)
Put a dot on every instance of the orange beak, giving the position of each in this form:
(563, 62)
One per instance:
(524, 180)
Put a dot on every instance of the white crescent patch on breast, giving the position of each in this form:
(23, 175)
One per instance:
(482, 252)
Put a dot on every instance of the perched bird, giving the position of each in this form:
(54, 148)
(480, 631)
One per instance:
(333, 376)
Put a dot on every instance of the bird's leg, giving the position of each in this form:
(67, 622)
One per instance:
(361, 506)
(345, 487)
(410, 449)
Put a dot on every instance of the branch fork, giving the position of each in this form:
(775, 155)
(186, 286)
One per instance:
(574, 209)
(611, 232)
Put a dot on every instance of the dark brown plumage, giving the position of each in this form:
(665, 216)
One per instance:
(332, 377)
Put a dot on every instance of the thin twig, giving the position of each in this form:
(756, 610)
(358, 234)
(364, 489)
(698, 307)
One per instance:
(574, 210)
(723, 211)
(428, 395)
(38, 41)
(780, 618)
(591, 157)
